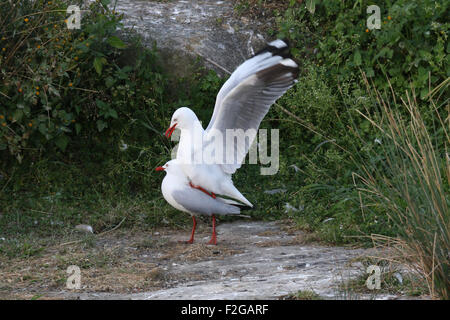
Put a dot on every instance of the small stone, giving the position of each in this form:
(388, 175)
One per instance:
(245, 20)
(399, 277)
(274, 191)
(84, 228)
(288, 208)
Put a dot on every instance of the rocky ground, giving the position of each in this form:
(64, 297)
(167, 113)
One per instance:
(253, 260)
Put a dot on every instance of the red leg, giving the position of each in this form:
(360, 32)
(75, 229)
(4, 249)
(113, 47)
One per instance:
(212, 194)
(191, 240)
(214, 234)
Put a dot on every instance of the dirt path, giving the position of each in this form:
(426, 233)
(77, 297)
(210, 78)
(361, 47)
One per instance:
(253, 260)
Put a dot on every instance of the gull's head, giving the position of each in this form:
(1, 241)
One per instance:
(182, 118)
(170, 167)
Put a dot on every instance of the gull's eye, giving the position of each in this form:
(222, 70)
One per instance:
(175, 120)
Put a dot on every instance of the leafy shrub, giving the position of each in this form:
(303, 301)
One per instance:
(59, 83)
(90, 157)
(325, 136)
(410, 48)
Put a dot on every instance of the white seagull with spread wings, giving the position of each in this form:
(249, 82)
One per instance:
(241, 105)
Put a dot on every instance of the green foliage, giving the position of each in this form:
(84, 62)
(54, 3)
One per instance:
(100, 169)
(23, 249)
(60, 84)
(321, 128)
(411, 185)
(393, 280)
(411, 48)
(88, 144)
(315, 137)
(198, 92)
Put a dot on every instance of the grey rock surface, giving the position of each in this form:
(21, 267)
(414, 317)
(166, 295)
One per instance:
(195, 28)
(253, 260)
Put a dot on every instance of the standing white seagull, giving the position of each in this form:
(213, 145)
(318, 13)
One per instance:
(241, 105)
(177, 191)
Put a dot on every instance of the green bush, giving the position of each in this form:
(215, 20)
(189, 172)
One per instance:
(321, 129)
(91, 149)
(58, 84)
(411, 48)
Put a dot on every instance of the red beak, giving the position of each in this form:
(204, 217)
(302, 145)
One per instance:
(170, 130)
(159, 169)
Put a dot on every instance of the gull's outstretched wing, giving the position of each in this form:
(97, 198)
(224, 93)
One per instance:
(246, 97)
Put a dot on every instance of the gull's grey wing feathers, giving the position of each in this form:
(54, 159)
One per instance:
(274, 52)
(197, 202)
(245, 106)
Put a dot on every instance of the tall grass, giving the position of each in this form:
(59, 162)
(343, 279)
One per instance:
(411, 184)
